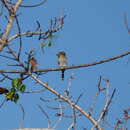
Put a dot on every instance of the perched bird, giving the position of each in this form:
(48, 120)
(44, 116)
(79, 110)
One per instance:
(62, 61)
(3, 90)
(33, 63)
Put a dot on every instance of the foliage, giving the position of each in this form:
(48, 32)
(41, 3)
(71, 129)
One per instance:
(17, 86)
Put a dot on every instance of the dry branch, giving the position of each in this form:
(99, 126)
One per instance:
(67, 100)
(12, 12)
(69, 67)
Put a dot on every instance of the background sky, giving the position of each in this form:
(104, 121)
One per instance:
(93, 30)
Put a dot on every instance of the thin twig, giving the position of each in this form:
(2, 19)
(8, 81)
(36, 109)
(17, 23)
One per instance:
(20, 38)
(60, 117)
(3, 102)
(30, 6)
(57, 108)
(23, 115)
(67, 91)
(73, 124)
(105, 109)
(8, 57)
(78, 98)
(126, 22)
(6, 76)
(46, 115)
(1, 80)
(35, 91)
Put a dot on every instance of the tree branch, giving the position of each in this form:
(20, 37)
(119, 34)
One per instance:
(12, 12)
(69, 67)
(67, 100)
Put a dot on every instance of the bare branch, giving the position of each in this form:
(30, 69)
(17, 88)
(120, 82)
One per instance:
(12, 11)
(54, 27)
(35, 91)
(105, 109)
(6, 76)
(20, 39)
(126, 22)
(7, 57)
(23, 115)
(73, 124)
(60, 117)
(30, 6)
(3, 102)
(66, 100)
(69, 67)
(46, 115)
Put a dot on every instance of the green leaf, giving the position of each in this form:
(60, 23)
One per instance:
(10, 94)
(16, 83)
(46, 44)
(50, 44)
(13, 90)
(22, 88)
(15, 97)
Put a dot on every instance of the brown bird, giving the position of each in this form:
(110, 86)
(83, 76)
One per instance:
(3, 90)
(62, 61)
(33, 63)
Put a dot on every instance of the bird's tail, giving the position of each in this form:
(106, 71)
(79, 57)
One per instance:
(62, 74)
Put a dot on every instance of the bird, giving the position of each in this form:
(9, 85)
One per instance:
(62, 61)
(3, 90)
(33, 63)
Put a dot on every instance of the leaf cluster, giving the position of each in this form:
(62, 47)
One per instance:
(17, 86)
